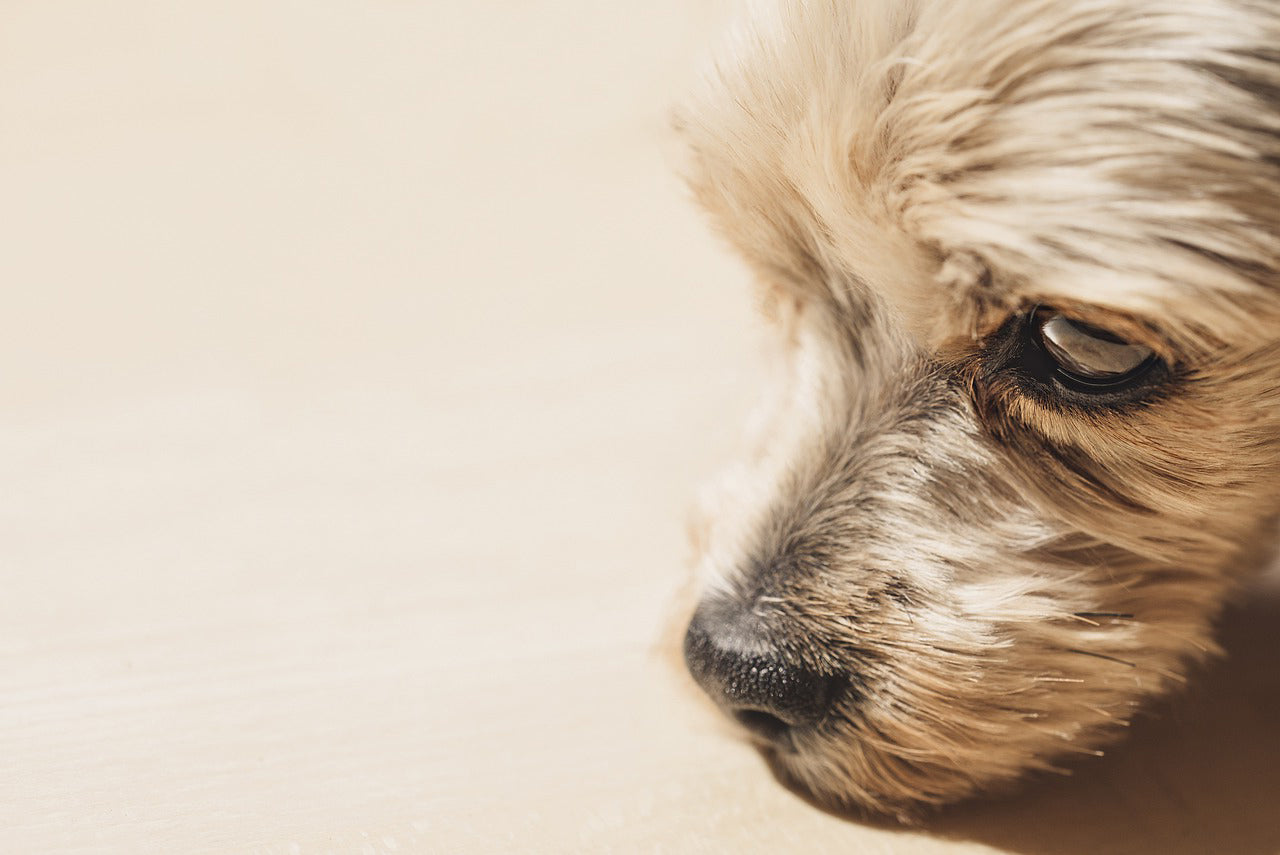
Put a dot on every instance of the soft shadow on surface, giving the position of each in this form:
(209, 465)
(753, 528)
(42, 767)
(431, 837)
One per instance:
(1200, 774)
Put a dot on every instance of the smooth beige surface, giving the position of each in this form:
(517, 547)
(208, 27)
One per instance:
(360, 362)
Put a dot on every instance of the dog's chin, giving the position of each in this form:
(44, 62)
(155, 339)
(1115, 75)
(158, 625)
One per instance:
(842, 770)
(837, 766)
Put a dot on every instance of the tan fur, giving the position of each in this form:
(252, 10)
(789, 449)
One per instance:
(1004, 574)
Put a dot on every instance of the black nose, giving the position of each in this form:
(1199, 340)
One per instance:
(730, 654)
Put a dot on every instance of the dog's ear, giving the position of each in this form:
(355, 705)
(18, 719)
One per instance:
(752, 206)
(773, 163)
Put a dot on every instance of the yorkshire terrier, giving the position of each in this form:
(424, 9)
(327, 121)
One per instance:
(1024, 262)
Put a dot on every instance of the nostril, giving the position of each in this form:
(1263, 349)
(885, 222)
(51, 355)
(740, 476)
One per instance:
(762, 724)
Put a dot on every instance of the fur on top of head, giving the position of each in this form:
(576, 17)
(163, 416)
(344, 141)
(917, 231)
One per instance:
(1000, 564)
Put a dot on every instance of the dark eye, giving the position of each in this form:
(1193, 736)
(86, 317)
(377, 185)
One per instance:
(1087, 356)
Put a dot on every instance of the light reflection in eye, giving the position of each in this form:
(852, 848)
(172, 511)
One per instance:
(1087, 353)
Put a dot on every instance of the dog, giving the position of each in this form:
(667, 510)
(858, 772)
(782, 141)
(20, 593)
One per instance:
(1023, 260)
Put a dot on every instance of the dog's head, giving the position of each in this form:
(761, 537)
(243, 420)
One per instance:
(1023, 258)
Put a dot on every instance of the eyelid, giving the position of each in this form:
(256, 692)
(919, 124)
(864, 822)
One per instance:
(1088, 351)
(1118, 323)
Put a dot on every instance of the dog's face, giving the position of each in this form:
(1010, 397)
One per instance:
(1026, 429)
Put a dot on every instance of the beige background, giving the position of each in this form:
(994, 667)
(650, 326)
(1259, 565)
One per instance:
(360, 360)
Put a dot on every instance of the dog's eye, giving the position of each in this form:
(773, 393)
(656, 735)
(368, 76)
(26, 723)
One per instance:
(1087, 355)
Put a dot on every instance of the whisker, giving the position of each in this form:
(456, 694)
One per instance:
(1104, 713)
(1103, 656)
